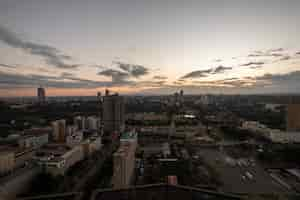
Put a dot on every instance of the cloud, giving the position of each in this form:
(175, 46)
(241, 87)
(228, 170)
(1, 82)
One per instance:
(268, 53)
(276, 50)
(298, 53)
(134, 70)
(204, 73)
(197, 74)
(160, 77)
(221, 69)
(217, 60)
(7, 66)
(291, 76)
(285, 58)
(50, 54)
(116, 76)
(10, 80)
(255, 66)
(253, 63)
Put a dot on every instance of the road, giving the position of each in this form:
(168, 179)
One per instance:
(106, 152)
(232, 176)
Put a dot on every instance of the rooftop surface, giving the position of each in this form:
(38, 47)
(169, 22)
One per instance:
(161, 192)
(129, 135)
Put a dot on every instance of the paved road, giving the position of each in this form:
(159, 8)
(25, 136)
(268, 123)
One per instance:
(232, 176)
(106, 152)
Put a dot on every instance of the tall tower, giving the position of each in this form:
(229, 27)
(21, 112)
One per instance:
(41, 94)
(113, 113)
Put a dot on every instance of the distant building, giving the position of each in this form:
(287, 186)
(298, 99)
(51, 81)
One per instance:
(41, 94)
(74, 139)
(92, 123)
(113, 113)
(79, 122)
(293, 117)
(33, 141)
(59, 130)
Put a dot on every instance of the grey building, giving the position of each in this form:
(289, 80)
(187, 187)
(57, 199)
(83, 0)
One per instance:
(113, 113)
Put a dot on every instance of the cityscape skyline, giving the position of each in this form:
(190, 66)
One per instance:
(149, 47)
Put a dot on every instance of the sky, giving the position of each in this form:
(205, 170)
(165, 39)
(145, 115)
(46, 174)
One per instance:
(75, 47)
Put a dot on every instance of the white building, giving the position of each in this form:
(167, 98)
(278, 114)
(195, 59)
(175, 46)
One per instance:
(57, 159)
(124, 160)
(33, 141)
(92, 123)
(59, 130)
(284, 137)
(74, 139)
(79, 122)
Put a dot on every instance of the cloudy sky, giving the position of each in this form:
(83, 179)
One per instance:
(75, 47)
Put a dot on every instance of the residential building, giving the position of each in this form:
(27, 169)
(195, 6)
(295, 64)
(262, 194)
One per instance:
(59, 130)
(33, 141)
(74, 139)
(113, 113)
(7, 161)
(124, 160)
(58, 158)
(293, 117)
(92, 123)
(79, 122)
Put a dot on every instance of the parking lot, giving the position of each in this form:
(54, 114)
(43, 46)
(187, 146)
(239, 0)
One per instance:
(241, 176)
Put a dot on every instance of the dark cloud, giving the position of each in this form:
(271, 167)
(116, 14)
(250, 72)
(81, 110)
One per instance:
(253, 63)
(197, 74)
(276, 50)
(290, 77)
(285, 58)
(51, 55)
(160, 77)
(134, 70)
(268, 53)
(7, 66)
(255, 66)
(116, 76)
(221, 69)
(204, 73)
(9, 80)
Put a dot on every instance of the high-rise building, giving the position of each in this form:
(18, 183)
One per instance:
(124, 160)
(113, 113)
(293, 117)
(41, 94)
(59, 130)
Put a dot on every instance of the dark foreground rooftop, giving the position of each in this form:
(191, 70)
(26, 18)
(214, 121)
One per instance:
(60, 196)
(161, 192)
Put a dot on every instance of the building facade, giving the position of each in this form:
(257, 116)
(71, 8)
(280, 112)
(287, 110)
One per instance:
(113, 113)
(293, 117)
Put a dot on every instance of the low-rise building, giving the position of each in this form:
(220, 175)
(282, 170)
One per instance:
(74, 139)
(12, 158)
(58, 158)
(7, 161)
(33, 141)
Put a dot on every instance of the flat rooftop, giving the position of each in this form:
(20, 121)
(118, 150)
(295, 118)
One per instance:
(161, 192)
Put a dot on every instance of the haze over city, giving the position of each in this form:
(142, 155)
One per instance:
(149, 47)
